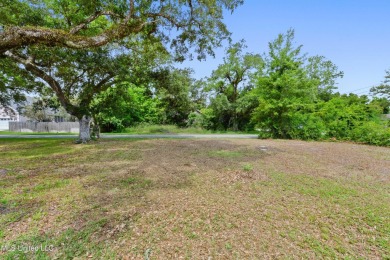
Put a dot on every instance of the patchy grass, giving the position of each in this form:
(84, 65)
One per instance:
(144, 129)
(164, 199)
(247, 167)
(225, 153)
(172, 129)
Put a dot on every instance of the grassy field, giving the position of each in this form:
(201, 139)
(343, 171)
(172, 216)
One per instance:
(34, 133)
(172, 129)
(145, 129)
(193, 199)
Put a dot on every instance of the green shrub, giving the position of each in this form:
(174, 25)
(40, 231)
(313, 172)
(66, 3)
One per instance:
(202, 119)
(307, 127)
(371, 133)
(265, 134)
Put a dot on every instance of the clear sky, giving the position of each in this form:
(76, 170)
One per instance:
(353, 34)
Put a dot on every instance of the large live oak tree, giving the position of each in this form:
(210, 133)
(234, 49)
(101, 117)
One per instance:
(61, 43)
(75, 77)
(84, 23)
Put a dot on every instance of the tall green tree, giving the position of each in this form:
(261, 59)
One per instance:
(324, 73)
(230, 82)
(288, 87)
(174, 88)
(75, 77)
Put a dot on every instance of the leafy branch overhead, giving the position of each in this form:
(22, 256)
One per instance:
(85, 24)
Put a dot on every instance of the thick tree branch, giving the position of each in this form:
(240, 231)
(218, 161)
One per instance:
(99, 87)
(102, 85)
(132, 10)
(54, 85)
(77, 78)
(19, 36)
(15, 36)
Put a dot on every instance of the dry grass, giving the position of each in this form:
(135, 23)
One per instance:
(195, 199)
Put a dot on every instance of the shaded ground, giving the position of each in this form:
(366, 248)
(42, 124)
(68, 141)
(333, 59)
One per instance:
(196, 199)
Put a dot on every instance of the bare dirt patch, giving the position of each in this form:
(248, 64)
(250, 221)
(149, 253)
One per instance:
(173, 162)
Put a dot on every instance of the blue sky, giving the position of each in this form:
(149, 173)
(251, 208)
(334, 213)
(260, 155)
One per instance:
(353, 34)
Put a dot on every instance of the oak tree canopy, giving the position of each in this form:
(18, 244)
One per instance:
(85, 24)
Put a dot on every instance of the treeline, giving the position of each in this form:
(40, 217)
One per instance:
(282, 94)
(97, 66)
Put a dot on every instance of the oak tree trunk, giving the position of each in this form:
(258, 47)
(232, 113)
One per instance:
(84, 133)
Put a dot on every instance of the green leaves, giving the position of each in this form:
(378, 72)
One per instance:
(288, 87)
(197, 25)
(229, 83)
(125, 105)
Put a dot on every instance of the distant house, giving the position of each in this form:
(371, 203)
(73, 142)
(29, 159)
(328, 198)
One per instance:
(7, 114)
(41, 113)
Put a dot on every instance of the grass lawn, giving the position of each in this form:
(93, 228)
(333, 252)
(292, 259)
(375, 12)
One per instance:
(145, 129)
(172, 129)
(195, 199)
(34, 133)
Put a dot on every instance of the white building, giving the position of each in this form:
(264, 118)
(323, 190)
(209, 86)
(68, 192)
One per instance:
(7, 114)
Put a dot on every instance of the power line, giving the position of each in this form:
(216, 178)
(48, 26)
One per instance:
(361, 93)
(359, 89)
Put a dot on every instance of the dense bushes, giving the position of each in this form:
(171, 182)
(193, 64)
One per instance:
(295, 100)
(343, 117)
(308, 126)
(125, 105)
(371, 133)
(283, 94)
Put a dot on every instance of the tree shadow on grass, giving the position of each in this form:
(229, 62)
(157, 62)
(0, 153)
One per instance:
(94, 193)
